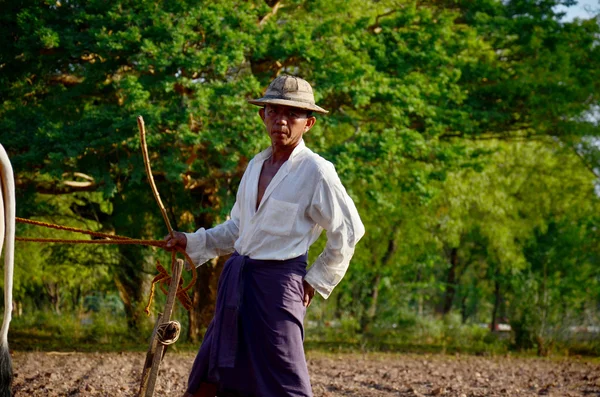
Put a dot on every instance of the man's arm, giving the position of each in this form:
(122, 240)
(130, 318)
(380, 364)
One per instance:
(203, 245)
(334, 211)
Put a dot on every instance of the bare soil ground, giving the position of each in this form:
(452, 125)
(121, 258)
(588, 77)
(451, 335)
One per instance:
(117, 374)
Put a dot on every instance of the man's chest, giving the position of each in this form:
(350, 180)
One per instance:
(267, 185)
(267, 174)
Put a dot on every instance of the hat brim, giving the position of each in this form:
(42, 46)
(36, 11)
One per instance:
(287, 102)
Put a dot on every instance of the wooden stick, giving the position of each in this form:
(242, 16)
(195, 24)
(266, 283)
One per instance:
(149, 358)
(157, 349)
(142, 129)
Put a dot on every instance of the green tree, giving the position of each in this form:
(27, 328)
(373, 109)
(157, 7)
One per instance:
(410, 87)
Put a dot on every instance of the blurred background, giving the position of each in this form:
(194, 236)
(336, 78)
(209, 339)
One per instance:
(466, 132)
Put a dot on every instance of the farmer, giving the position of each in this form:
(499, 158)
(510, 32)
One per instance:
(287, 196)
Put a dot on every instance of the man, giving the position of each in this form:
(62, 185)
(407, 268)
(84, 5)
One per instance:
(287, 196)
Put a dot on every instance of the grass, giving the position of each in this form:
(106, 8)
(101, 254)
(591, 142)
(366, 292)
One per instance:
(106, 332)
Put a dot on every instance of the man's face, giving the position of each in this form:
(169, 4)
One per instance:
(286, 125)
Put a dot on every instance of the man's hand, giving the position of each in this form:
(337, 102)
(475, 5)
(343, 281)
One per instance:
(179, 240)
(309, 292)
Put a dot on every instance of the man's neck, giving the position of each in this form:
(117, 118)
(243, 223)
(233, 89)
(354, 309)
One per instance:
(280, 155)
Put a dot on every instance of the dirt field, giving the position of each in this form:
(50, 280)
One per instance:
(114, 374)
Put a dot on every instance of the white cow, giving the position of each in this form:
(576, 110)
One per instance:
(7, 234)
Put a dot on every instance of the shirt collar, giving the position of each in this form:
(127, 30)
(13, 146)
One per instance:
(265, 154)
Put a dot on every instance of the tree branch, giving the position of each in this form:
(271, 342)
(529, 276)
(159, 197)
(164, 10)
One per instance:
(495, 136)
(585, 163)
(373, 28)
(56, 188)
(274, 10)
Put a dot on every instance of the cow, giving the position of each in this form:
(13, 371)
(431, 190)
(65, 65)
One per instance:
(7, 241)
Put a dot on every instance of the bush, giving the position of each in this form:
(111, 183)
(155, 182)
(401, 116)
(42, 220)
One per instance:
(410, 333)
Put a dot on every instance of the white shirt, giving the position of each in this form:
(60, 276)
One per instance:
(305, 197)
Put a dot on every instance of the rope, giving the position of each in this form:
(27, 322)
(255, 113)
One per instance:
(163, 278)
(168, 333)
(108, 239)
(71, 229)
(152, 243)
(120, 240)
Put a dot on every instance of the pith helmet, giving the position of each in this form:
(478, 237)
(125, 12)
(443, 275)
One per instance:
(289, 91)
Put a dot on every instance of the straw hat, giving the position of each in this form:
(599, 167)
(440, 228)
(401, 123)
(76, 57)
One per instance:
(290, 91)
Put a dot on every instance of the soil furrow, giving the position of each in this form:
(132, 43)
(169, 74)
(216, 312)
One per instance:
(370, 375)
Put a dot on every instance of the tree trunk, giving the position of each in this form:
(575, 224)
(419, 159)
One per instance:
(53, 291)
(542, 346)
(369, 315)
(451, 282)
(76, 299)
(133, 283)
(338, 307)
(463, 309)
(373, 308)
(419, 294)
(17, 308)
(204, 297)
(497, 298)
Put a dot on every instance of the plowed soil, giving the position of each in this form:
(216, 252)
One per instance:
(117, 374)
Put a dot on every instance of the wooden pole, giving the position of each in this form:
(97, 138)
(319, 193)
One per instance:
(157, 349)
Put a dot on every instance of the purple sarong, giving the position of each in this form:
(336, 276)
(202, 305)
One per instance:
(254, 344)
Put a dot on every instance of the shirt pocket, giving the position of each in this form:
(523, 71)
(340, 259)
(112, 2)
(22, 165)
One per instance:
(279, 218)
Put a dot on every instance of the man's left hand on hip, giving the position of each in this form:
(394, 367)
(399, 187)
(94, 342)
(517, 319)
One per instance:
(309, 292)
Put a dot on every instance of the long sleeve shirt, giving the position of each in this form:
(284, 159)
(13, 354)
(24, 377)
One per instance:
(305, 197)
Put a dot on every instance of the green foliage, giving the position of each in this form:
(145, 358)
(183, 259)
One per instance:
(72, 331)
(464, 131)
